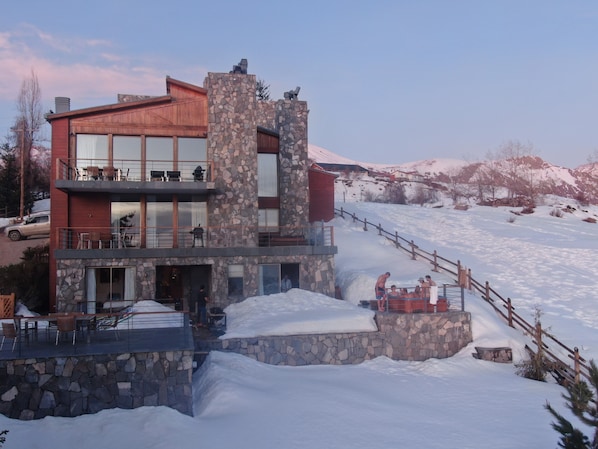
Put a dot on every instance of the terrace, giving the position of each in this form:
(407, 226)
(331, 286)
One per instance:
(122, 175)
(134, 332)
(85, 239)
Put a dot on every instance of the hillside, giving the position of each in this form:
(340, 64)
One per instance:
(517, 181)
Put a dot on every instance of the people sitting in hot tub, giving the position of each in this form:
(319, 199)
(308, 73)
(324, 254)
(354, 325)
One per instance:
(393, 293)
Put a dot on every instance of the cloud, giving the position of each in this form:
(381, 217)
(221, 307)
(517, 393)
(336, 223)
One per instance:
(87, 70)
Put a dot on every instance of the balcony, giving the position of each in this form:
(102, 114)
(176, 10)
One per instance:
(124, 176)
(107, 242)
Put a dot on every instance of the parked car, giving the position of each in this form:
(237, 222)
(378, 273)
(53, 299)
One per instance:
(35, 224)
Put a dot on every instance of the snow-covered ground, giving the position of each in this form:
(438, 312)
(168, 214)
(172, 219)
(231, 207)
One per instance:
(540, 261)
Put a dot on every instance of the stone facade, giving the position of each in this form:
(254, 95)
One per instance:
(72, 386)
(234, 117)
(413, 337)
(315, 274)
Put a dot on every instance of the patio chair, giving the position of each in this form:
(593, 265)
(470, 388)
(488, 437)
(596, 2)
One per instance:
(93, 172)
(108, 173)
(9, 330)
(157, 175)
(66, 324)
(173, 175)
(106, 323)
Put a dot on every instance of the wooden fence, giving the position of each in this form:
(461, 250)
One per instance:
(561, 369)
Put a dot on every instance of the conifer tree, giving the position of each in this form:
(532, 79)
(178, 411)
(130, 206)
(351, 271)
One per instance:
(581, 400)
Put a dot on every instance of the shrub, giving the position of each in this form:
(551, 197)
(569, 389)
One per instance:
(556, 213)
(581, 400)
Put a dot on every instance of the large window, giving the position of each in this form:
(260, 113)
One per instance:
(92, 150)
(159, 222)
(125, 216)
(267, 175)
(159, 154)
(109, 288)
(192, 212)
(192, 152)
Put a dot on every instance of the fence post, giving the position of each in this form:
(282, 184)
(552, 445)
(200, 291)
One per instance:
(509, 312)
(469, 283)
(435, 263)
(365, 224)
(538, 337)
(379, 228)
(397, 244)
(353, 216)
(342, 212)
(462, 299)
(577, 364)
(487, 291)
(412, 250)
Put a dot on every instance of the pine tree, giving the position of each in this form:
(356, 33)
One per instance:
(9, 181)
(581, 400)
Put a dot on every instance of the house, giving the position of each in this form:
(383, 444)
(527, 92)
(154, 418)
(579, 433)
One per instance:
(133, 179)
(321, 192)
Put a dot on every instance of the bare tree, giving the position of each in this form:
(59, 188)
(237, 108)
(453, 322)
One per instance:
(27, 132)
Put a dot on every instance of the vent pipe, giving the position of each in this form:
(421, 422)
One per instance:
(63, 104)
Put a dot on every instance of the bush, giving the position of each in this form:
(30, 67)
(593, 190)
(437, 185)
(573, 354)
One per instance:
(29, 279)
(556, 213)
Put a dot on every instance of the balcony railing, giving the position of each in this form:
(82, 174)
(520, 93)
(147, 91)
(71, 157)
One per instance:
(133, 170)
(86, 238)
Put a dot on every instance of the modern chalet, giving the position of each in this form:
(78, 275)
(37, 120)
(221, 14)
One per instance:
(132, 180)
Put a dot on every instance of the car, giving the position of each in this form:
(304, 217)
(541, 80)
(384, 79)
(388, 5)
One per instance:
(35, 224)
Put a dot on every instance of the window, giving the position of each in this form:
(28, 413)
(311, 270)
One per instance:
(269, 279)
(109, 288)
(267, 175)
(268, 220)
(192, 152)
(92, 150)
(235, 282)
(192, 211)
(158, 154)
(126, 155)
(159, 222)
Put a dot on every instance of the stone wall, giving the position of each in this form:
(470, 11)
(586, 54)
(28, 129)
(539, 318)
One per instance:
(316, 273)
(414, 337)
(72, 386)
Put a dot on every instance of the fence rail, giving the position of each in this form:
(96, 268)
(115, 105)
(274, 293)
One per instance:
(560, 369)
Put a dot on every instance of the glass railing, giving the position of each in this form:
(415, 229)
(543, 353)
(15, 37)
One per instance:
(134, 170)
(88, 238)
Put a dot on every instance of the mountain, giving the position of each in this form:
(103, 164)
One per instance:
(515, 181)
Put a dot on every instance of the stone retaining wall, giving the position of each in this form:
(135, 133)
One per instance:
(72, 386)
(400, 337)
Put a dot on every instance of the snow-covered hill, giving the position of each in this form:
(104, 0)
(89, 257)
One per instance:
(464, 181)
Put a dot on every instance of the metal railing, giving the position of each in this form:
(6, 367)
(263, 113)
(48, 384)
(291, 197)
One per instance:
(133, 170)
(558, 355)
(96, 334)
(87, 238)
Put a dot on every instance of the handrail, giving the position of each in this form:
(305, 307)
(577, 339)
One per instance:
(464, 278)
(136, 237)
(135, 170)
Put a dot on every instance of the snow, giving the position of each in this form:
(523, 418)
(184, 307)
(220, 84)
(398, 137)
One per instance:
(539, 261)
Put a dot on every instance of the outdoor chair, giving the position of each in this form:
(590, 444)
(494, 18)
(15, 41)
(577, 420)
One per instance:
(93, 172)
(106, 323)
(66, 324)
(9, 330)
(157, 175)
(173, 175)
(108, 173)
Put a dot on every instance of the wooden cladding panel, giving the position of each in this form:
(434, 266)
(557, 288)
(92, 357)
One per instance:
(267, 143)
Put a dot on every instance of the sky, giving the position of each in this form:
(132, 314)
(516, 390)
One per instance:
(398, 81)
(538, 260)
